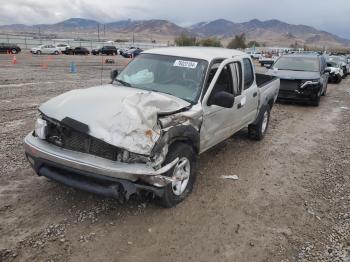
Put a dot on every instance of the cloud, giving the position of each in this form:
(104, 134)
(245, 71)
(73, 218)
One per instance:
(330, 16)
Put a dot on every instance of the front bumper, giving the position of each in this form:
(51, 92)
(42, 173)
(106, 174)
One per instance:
(40, 154)
(306, 94)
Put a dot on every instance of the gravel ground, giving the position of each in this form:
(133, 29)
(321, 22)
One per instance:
(290, 203)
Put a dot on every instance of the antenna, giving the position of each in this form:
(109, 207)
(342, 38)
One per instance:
(101, 68)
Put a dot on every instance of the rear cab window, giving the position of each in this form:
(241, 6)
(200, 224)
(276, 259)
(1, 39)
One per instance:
(248, 73)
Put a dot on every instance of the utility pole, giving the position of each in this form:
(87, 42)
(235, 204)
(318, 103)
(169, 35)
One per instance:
(133, 38)
(104, 30)
(40, 35)
(98, 32)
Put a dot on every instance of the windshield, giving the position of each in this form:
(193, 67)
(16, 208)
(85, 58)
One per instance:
(178, 76)
(310, 64)
(336, 59)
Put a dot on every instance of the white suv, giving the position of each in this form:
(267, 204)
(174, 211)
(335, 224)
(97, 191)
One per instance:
(62, 47)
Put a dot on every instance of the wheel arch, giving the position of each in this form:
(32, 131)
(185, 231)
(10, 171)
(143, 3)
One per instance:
(182, 133)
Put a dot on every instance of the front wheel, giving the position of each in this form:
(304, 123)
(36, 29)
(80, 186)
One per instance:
(184, 173)
(325, 90)
(257, 131)
(56, 53)
(338, 79)
(14, 51)
(317, 100)
(38, 52)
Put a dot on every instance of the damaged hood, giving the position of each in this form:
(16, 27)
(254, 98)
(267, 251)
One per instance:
(121, 116)
(297, 75)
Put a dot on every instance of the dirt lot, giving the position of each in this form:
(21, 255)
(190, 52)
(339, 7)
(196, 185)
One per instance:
(291, 202)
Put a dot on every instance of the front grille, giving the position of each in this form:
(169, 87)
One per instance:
(68, 138)
(290, 85)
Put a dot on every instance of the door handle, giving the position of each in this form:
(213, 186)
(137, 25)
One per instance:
(255, 94)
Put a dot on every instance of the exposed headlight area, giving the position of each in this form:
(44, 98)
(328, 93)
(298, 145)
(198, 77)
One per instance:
(307, 83)
(40, 128)
(66, 137)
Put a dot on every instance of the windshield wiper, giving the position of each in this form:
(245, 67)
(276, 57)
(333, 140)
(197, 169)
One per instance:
(123, 82)
(297, 70)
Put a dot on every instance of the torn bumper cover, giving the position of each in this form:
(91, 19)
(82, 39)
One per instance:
(298, 90)
(59, 164)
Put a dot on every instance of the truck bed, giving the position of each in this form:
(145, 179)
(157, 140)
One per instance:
(268, 87)
(262, 79)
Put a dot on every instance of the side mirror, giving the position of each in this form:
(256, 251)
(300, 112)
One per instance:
(222, 99)
(327, 70)
(114, 74)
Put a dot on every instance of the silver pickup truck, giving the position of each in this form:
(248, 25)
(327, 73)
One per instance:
(145, 130)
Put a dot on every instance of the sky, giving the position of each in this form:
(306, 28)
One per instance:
(332, 16)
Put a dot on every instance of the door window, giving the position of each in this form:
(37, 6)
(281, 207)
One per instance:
(224, 82)
(236, 71)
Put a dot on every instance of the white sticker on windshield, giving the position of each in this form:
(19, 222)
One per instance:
(186, 64)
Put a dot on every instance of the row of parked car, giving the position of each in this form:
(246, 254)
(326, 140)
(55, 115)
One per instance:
(68, 50)
(337, 65)
(305, 76)
(104, 50)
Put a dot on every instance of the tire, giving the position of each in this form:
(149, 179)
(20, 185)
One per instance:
(14, 51)
(38, 52)
(56, 53)
(339, 79)
(345, 73)
(325, 90)
(317, 100)
(176, 192)
(258, 131)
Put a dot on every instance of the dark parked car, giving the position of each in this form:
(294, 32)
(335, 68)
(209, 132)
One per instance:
(132, 53)
(106, 50)
(9, 48)
(77, 51)
(303, 77)
(123, 50)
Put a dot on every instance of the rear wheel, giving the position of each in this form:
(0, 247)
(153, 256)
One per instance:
(184, 172)
(38, 52)
(56, 53)
(14, 51)
(258, 131)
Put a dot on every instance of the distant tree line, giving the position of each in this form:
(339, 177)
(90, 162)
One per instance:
(185, 40)
(238, 42)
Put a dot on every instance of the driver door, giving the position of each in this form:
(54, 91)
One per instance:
(220, 123)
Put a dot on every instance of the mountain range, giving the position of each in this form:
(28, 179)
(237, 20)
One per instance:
(271, 32)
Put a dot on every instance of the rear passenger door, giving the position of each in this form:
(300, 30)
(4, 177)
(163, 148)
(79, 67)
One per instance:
(45, 49)
(250, 94)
